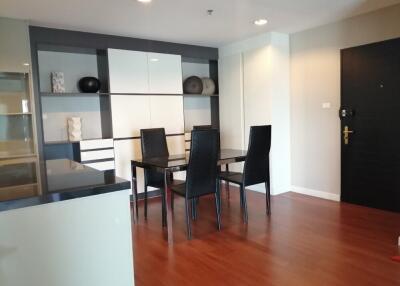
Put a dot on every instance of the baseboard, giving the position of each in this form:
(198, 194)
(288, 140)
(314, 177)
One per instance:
(261, 189)
(316, 193)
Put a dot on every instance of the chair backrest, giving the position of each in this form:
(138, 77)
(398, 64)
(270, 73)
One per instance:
(256, 166)
(202, 127)
(202, 170)
(154, 143)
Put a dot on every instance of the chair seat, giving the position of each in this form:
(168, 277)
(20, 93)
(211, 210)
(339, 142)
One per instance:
(179, 189)
(233, 177)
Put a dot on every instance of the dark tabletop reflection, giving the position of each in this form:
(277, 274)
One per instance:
(66, 179)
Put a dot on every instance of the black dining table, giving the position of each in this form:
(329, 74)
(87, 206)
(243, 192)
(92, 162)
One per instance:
(176, 163)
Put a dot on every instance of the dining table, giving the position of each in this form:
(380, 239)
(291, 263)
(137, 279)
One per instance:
(170, 164)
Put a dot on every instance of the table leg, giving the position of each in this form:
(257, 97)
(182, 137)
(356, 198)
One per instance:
(167, 197)
(228, 193)
(134, 191)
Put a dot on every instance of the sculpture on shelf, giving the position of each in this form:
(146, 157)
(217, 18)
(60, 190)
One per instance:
(89, 84)
(74, 129)
(193, 85)
(57, 82)
(208, 86)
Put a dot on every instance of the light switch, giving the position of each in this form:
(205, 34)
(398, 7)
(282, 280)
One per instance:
(326, 105)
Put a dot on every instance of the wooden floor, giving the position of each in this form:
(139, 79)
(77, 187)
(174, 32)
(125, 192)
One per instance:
(307, 241)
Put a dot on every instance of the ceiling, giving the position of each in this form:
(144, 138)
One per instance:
(186, 21)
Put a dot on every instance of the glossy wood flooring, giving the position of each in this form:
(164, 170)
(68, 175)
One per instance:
(307, 241)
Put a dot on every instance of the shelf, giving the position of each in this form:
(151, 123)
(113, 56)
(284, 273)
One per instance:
(18, 191)
(10, 156)
(16, 187)
(77, 94)
(60, 142)
(16, 113)
(13, 149)
(72, 94)
(71, 142)
(19, 160)
(200, 95)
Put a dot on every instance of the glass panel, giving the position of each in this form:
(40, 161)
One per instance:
(16, 136)
(18, 181)
(16, 139)
(17, 174)
(14, 93)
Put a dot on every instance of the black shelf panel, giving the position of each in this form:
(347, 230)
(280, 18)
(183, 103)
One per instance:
(77, 94)
(72, 94)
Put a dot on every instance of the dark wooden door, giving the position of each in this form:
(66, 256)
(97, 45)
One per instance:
(370, 108)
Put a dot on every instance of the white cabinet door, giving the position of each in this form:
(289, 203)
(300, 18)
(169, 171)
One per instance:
(125, 151)
(176, 146)
(167, 112)
(165, 73)
(130, 113)
(128, 71)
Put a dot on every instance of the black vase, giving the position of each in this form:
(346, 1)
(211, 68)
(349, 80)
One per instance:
(193, 85)
(89, 84)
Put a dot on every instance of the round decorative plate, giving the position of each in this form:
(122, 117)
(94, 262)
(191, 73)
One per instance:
(208, 86)
(193, 85)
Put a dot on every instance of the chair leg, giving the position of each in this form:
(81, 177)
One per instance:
(172, 200)
(163, 208)
(194, 208)
(145, 202)
(188, 228)
(218, 193)
(136, 201)
(228, 192)
(218, 210)
(245, 214)
(241, 197)
(268, 198)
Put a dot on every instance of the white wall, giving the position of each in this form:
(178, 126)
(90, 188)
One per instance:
(254, 90)
(231, 115)
(315, 78)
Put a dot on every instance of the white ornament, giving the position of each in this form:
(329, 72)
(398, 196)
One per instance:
(74, 129)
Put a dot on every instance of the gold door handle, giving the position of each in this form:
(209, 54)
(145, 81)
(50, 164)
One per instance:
(346, 133)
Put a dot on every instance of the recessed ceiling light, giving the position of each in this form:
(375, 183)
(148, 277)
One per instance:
(260, 22)
(144, 1)
(26, 64)
(154, 60)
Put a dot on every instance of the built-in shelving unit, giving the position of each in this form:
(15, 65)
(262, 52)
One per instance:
(138, 78)
(200, 109)
(56, 108)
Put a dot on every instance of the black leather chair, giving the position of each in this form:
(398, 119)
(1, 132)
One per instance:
(202, 172)
(256, 167)
(154, 144)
